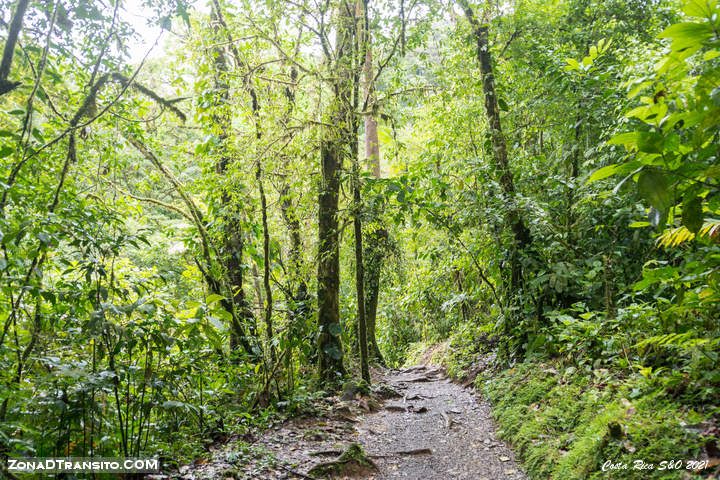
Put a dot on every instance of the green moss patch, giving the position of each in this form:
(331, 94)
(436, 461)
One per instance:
(565, 424)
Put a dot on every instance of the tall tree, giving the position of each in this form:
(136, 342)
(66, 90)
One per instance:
(376, 238)
(521, 233)
(336, 144)
(242, 317)
(361, 26)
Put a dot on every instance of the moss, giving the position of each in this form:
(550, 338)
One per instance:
(230, 473)
(563, 426)
(353, 461)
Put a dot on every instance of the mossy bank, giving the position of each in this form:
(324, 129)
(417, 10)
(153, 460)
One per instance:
(570, 423)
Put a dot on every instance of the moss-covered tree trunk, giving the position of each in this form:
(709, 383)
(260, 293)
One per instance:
(335, 145)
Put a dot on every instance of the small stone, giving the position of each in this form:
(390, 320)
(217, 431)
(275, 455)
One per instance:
(504, 459)
(510, 472)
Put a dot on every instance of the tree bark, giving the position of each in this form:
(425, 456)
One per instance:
(362, 43)
(266, 262)
(330, 352)
(374, 258)
(372, 142)
(7, 58)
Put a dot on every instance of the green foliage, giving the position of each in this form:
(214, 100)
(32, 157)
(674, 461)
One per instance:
(138, 256)
(567, 422)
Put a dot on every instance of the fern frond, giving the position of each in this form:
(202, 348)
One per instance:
(676, 236)
(681, 340)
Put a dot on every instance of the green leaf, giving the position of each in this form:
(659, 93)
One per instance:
(697, 8)
(214, 298)
(44, 237)
(628, 140)
(650, 142)
(165, 23)
(37, 135)
(6, 150)
(223, 314)
(604, 172)
(572, 64)
(653, 187)
(687, 34)
(692, 214)
(335, 329)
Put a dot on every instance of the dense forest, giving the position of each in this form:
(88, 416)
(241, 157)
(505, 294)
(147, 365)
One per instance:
(219, 215)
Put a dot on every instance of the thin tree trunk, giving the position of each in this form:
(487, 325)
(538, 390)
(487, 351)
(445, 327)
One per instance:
(374, 258)
(372, 142)
(233, 242)
(375, 253)
(266, 263)
(361, 44)
(13, 33)
(521, 233)
(359, 280)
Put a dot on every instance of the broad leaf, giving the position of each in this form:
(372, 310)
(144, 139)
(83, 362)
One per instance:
(653, 187)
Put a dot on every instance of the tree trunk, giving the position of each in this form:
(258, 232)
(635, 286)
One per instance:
(372, 142)
(13, 32)
(335, 144)
(374, 257)
(375, 253)
(362, 42)
(266, 263)
(359, 280)
(330, 353)
(521, 233)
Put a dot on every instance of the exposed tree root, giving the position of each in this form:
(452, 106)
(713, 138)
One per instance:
(353, 461)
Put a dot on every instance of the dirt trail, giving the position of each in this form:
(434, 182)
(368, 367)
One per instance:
(431, 429)
(456, 428)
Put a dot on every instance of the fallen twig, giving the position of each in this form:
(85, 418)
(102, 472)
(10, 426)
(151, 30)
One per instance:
(325, 452)
(295, 472)
(417, 451)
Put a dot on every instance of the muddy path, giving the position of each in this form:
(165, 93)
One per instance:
(418, 425)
